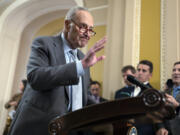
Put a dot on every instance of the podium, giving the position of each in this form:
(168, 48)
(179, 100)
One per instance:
(120, 113)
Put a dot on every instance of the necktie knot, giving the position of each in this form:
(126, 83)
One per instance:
(72, 55)
(72, 52)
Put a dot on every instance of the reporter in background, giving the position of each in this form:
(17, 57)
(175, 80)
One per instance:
(171, 127)
(95, 88)
(12, 105)
(128, 89)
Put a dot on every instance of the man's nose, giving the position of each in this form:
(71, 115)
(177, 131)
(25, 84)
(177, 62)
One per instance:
(87, 34)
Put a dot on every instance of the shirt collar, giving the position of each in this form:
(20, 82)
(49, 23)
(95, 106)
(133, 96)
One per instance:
(145, 83)
(66, 45)
(177, 88)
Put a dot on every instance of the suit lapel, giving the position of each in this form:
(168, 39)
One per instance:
(59, 50)
(60, 56)
(149, 85)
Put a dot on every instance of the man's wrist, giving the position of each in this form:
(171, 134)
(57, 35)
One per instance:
(84, 64)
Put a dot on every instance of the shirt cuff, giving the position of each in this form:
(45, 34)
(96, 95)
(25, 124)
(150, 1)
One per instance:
(80, 69)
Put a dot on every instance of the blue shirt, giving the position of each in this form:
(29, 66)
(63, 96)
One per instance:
(75, 91)
(79, 67)
(176, 90)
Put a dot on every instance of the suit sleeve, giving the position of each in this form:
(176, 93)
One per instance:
(41, 74)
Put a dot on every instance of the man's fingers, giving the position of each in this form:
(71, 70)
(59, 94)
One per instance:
(100, 43)
(166, 133)
(98, 48)
(92, 51)
(167, 95)
(91, 58)
(101, 58)
(103, 40)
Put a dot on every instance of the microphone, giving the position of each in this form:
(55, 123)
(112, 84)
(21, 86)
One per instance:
(133, 80)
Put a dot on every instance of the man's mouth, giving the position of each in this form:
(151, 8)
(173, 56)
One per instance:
(176, 77)
(84, 38)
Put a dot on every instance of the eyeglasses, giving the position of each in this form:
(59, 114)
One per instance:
(84, 28)
(95, 89)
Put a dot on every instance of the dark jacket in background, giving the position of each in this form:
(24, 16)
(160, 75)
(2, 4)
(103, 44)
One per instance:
(124, 92)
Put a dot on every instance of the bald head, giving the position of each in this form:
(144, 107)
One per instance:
(78, 27)
(71, 14)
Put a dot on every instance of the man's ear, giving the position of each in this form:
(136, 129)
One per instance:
(150, 76)
(67, 25)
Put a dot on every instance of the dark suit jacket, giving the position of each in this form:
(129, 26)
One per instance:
(101, 99)
(124, 92)
(46, 95)
(128, 91)
(144, 128)
(148, 86)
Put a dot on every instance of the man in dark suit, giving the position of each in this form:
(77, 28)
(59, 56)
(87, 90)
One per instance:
(56, 71)
(128, 89)
(144, 74)
(171, 127)
(95, 88)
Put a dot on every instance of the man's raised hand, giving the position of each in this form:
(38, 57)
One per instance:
(90, 58)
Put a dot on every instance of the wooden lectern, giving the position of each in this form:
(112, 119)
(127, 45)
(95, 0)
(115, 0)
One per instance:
(120, 113)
